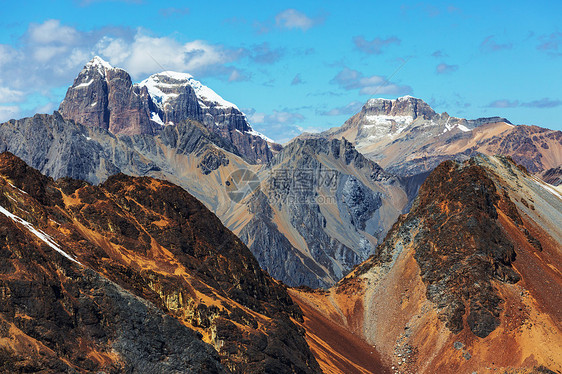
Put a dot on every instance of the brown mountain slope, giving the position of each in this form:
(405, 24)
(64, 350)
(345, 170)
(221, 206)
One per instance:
(468, 281)
(155, 243)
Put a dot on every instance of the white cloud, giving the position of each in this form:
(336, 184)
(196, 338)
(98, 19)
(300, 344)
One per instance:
(293, 19)
(51, 54)
(8, 95)
(350, 79)
(8, 112)
(147, 55)
(51, 31)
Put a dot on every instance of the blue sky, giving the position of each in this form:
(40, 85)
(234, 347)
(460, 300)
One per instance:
(297, 66)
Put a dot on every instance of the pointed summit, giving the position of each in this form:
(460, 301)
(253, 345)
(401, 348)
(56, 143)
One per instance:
(98, 61)
(104, 96)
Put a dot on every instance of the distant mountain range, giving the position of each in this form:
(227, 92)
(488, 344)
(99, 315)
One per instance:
(148, 228)
(406, 137)
(172, 127)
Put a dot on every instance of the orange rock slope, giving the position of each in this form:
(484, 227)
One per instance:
(134, 275)
(469, 281)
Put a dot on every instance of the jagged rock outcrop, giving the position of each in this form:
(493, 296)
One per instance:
(553, 176)
(131, 275)
(180, 97)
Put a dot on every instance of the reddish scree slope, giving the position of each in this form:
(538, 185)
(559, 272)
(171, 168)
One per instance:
(468, 281)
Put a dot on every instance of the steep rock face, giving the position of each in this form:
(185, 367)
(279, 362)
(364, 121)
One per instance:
(406, 106)
(327, 200)
(471, 236)
(470, 273)
(553, 176)
(103, 96)
(179, 97)
(153, 239)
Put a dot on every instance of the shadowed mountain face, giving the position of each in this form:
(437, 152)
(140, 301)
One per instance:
(471, 272)
(133, 275)
(104, 96)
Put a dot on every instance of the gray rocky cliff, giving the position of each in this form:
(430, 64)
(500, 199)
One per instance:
(331, 196)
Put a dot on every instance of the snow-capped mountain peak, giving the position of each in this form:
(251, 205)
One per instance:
(163, 86)
(98, 63)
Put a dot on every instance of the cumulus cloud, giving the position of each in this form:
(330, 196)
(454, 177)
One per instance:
(52, 32)
(50, 55)
(443, 68)
(348, 109)
(350, 79)
(147, 54)
(489, 45)
(374, 46)
(8, 95)
(543, 103)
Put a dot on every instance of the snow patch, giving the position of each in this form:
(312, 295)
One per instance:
(22, 191)
(384, 119)
(38, 233)
(156, 118)
(99, 64)
(86, 84)
(206, 96)
(451, 127)
(260, 135)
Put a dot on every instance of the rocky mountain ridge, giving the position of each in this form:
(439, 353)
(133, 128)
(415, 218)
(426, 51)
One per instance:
(104, 96)
(407, 137)
(465, 279)
(321, 207)
(133, 275)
